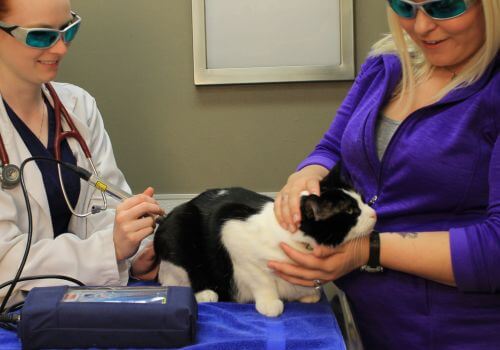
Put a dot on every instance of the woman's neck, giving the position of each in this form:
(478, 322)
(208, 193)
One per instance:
(23, 97)
(26, 100)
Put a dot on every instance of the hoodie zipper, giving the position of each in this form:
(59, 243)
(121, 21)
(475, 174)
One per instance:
(383, 161)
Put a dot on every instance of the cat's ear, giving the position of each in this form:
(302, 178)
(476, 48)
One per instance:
(310, 207)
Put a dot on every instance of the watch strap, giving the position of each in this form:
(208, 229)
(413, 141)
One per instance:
(373, 264)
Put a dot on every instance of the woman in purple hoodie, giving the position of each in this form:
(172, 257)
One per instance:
(418, 135)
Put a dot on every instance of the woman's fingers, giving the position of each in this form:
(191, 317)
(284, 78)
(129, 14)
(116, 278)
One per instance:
(146, 222)
(150, 191)
(147, 254)
(277, 209)
(321, 251)
(287, 208)
(295, 271)
(287, 204)
(296, 280)
(134, 220)
(145, 265)
(312, 186)
(306, 268)
(136, 200)
(306, 260)
(139, 211)
(286, 212)
(294, 205)
(323, 264)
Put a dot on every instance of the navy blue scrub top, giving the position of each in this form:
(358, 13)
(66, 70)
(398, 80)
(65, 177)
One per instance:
(59, 211)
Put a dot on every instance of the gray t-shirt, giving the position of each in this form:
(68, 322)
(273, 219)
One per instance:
(385, 129)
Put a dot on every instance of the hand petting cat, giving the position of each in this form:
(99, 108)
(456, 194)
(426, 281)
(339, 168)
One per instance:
(287, 201)
(324, 264)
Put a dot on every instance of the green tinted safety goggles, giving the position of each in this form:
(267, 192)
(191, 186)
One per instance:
(437, 9)
(43, 38)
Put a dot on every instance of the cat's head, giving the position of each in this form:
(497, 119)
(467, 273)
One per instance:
(337, 215)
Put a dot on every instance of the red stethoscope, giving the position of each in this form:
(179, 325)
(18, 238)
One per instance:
(10, 175)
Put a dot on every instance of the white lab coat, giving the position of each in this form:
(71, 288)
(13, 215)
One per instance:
(87, 252)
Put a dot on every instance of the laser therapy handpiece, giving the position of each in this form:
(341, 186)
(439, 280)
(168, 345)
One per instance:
(102, 186)
(113, 191)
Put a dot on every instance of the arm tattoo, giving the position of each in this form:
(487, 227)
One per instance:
(408, 234)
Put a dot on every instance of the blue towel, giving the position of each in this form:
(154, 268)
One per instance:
(231, 326)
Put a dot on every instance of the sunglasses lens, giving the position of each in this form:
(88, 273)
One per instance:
(41, 38)
(446, 8)
(70, 33)
(402, 8)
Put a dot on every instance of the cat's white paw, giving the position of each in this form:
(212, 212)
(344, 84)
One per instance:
(207, 296)
(313, 298)
(270, 307)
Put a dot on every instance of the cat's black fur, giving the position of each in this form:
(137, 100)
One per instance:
(329, 217)
(191, 236)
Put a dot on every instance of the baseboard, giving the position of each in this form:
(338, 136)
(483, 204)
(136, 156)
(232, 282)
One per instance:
(168, 201)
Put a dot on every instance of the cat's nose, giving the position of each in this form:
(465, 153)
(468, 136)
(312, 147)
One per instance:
(373, 215)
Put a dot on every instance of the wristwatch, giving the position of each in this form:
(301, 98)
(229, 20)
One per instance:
(373, 264)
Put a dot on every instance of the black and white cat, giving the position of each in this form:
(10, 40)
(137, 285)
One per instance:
(219, 243)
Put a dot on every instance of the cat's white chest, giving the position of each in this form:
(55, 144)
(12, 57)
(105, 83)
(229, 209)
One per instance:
(251, 245)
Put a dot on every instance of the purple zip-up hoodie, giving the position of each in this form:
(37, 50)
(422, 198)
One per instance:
(440, 172)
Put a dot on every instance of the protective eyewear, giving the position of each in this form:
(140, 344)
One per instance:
(43, 38)
(437, 9)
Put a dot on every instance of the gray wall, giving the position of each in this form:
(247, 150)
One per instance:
(135, 57)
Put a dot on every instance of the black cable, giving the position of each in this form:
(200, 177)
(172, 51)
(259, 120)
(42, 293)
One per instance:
(17, 278)
(28, 241)
(14, 307)
(42, 277)
(11, 318)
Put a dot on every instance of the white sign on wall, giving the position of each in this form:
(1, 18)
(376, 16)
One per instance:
(254, 41)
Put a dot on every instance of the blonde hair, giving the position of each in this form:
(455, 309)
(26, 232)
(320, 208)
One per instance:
(414, 65)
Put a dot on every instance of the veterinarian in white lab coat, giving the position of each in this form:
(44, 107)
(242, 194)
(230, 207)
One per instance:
(95, 249)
